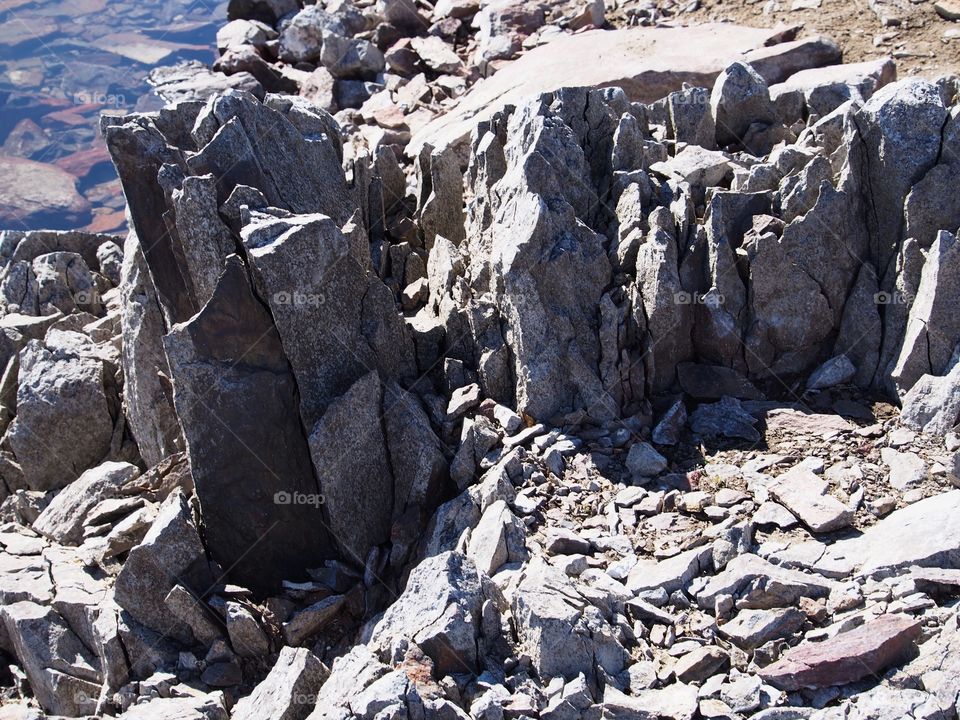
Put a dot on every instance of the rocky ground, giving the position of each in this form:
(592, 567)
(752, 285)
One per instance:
(475, 362)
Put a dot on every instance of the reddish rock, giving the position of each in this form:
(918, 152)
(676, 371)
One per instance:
(79, 164)
(34, 194)
(845, 658)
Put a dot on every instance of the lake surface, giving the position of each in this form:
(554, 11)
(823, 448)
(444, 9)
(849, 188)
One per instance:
(62, 64)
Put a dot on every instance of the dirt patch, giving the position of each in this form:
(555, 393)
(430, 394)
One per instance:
(920, 44)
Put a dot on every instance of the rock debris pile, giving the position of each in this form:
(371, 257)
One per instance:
(615, 407)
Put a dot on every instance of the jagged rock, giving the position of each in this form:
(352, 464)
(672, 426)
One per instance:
(835, 371)
(933, 403)
(846, 657)
(808, 497)
(171, 551)
(311, 619)
(755, 583)
(563, 633)
(288, 692)
(933, 329)
(64, 674)
(441, 610)
(739, 99)
(725, 418)
(63, 390)
(643, 461)
(907, 469)
(246, 636)
(825, 89)
(148, 397)
(671, 574)
(65, 518)
(497, 539)
(901, 129)
(700, 664)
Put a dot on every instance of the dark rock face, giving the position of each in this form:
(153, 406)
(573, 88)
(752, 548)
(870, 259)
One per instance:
(277, 356)
(237, 402)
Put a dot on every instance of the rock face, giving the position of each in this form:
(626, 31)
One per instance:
(290, 328)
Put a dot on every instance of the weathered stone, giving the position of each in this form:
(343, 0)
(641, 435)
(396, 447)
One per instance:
(725, 418)
(288, 692)
(563, 634)
(260, 457)
(701, 664)
(755, 583)
(643, 461)
(846, 657)
(311, 619)
(672, 574)
(63, 390)
(65, 518)
(740, 98)
(441, 611)
(752, 628)
(246, 636)
(808, 497)
(899, 541)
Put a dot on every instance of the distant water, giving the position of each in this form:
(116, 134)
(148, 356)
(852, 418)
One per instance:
(62, 64)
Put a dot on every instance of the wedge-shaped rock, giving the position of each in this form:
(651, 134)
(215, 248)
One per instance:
(171, 552)
(237, 403)
(288, 692)
(336, 320)
(64, 674)
(64, 518)
(755, 583)
(441, 610)
(670, 574)
(845, 658)
(560, 630)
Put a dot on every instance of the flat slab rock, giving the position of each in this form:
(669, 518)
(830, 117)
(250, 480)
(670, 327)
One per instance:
(648, 63)
(904, 538)
(845, 658)
(808, 497)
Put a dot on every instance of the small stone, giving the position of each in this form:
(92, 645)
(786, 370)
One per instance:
(907, 469)
(643, 461)
(560, 541)
(701, 664)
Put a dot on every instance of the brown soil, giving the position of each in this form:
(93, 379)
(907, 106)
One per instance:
(918, 44)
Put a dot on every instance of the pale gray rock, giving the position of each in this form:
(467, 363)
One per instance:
(933, 403)
(288, 692)
(170, 552)
(808, 497)
(302, 39)
(560, 630)
(750, 629)
(671, 574)
(835, 371)
(740, 98)
(497, 539)
(755, 583)
(66, 391)
(441, 611)
(933, 328)
(896, 542)
(643, 461)
(246, 635)
(312, 619)
(63, 673)
(907, 469)
(147, 395)
(901, 129)
(65, 518)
